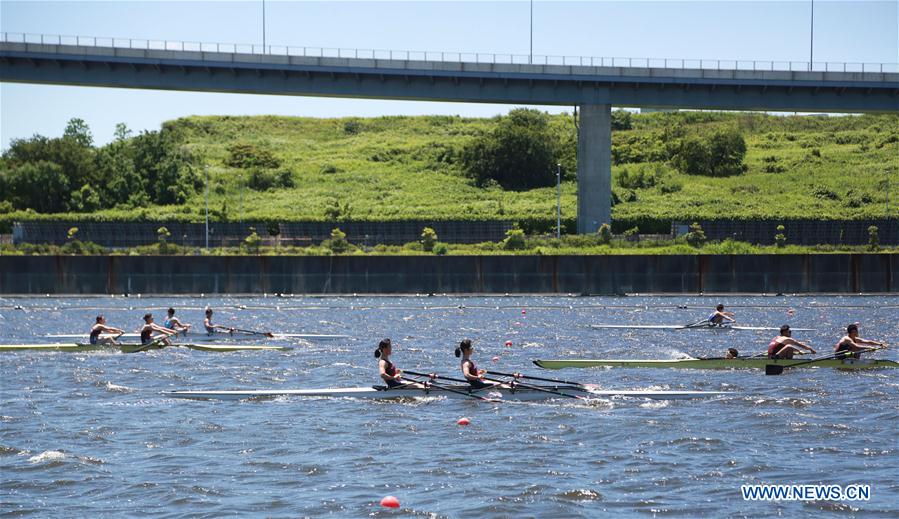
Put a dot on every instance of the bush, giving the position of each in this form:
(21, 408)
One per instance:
(244, 155)
(780, 239)
(338, 243)
(428, 239)
(252, 241)
(719, 155)
(621, 120)
(873, 238)
(352, 127)
(162, 235)
(696, 236)
(605, 234)
(263, 180)
(440, 249)
(514, 240)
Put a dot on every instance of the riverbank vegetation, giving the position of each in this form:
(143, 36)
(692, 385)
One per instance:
(682, 166)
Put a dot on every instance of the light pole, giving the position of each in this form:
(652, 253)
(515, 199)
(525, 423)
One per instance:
(531, 55)
(558, 200)
(811, 45)
(206, 196)
(263, 27)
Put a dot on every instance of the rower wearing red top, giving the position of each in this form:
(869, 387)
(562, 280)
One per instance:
(388, 371)
(849, 345)
(784, 346)
(470, 370)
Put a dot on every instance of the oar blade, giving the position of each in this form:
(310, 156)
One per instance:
(773, 369)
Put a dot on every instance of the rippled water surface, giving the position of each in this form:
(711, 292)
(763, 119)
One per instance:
(88, 434)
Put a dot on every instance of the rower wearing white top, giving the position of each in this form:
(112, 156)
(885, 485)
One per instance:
(174, 323)
(100, 327)
(784, 346)
(146, 332)
(718, 317)
(850, 344)
(213, 328)
(470, 370)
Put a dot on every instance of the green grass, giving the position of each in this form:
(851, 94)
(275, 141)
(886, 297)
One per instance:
(399, 168)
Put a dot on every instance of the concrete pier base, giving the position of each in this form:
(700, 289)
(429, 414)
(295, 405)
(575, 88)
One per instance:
(594, 168)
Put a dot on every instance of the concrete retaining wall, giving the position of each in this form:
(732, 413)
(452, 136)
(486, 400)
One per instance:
(846, 273)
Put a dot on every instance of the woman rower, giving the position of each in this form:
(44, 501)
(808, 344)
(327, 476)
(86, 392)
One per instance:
(470, 370)
(100, 327)
(850, 344)
(388, 371)
(174, 323)
(213, 328)
(146, 332)
(718, 317)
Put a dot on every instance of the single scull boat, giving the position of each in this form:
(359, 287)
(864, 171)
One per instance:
(703, 326)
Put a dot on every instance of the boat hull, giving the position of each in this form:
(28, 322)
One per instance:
(721, 328)
(753, 363)
(464, 392)
(132, 348)
(203, 337)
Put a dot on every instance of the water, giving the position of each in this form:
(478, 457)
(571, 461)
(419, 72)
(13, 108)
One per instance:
(87, 434)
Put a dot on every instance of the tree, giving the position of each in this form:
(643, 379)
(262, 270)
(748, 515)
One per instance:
(80, 132)
(40, 185)
(253, 241)
(162, 235)
(605, 234)
(514, 240)
(338, 242)
(519, 154)
(696, 236)
(780, 239)
(621, 120)
(428, 239)
(873, 238)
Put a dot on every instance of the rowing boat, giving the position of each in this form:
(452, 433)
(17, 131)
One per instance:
(702, 326)
(215, 337)
(503, 392)
(131, 348)
(712, 363)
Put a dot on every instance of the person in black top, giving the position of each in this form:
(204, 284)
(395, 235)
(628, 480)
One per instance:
(146, 332)
(388, 371)
(100, 327)
(470, 370)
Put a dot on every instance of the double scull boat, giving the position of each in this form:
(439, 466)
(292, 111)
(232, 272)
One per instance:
(712, 363)
(499, 392)
(700, 326)
(132, 348)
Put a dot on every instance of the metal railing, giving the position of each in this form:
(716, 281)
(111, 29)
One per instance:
(451, 57)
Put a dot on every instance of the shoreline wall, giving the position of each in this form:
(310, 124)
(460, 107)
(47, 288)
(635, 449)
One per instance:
(601, 275)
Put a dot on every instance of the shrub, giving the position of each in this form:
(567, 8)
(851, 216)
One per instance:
(244, 155)
(719, 155)
(428, 239)
(873, 239)
(780, 239)
(605, 234)
(328, 169)
(338, 243)
(162, 235)
(621, 120)
(352, 127)
(514, 240)
(696, 236)
(440, 249)
(72, 233)
(273, 228)
(252, 241)
(337, 211)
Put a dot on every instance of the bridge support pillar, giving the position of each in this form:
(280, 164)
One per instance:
(594, 168)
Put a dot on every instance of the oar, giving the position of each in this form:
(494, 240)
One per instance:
(254, 332)
(697, 324)
(151, 344)
(535, 388)
(451, 390)
(557, 381)
(777, 369)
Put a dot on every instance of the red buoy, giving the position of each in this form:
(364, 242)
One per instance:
(508, 344)
(462, 421)
(496, 359)
(523, 311)
(390, 502)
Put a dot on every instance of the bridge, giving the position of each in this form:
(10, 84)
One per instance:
(592, 84)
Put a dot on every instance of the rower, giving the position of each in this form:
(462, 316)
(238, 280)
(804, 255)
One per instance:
(784, 346)
(174, 323)
(470, 370)
(849, 345)
(100, 327)
(388, 371)
(718, 317)
(732, 353)
(146, 332)
(213, 328)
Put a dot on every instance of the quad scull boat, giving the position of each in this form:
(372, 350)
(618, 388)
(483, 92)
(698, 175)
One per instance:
(500, 392)
(712, 363)
(132, 348)
(701, 326)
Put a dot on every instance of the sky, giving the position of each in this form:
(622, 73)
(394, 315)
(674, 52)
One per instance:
(844, 31)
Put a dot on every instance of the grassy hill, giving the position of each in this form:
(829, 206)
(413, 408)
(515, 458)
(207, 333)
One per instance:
(395, 168)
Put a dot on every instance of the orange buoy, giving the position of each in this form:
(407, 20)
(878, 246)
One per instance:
(390, 502)
(462, 421)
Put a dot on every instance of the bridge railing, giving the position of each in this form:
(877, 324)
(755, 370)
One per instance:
(450, 57)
